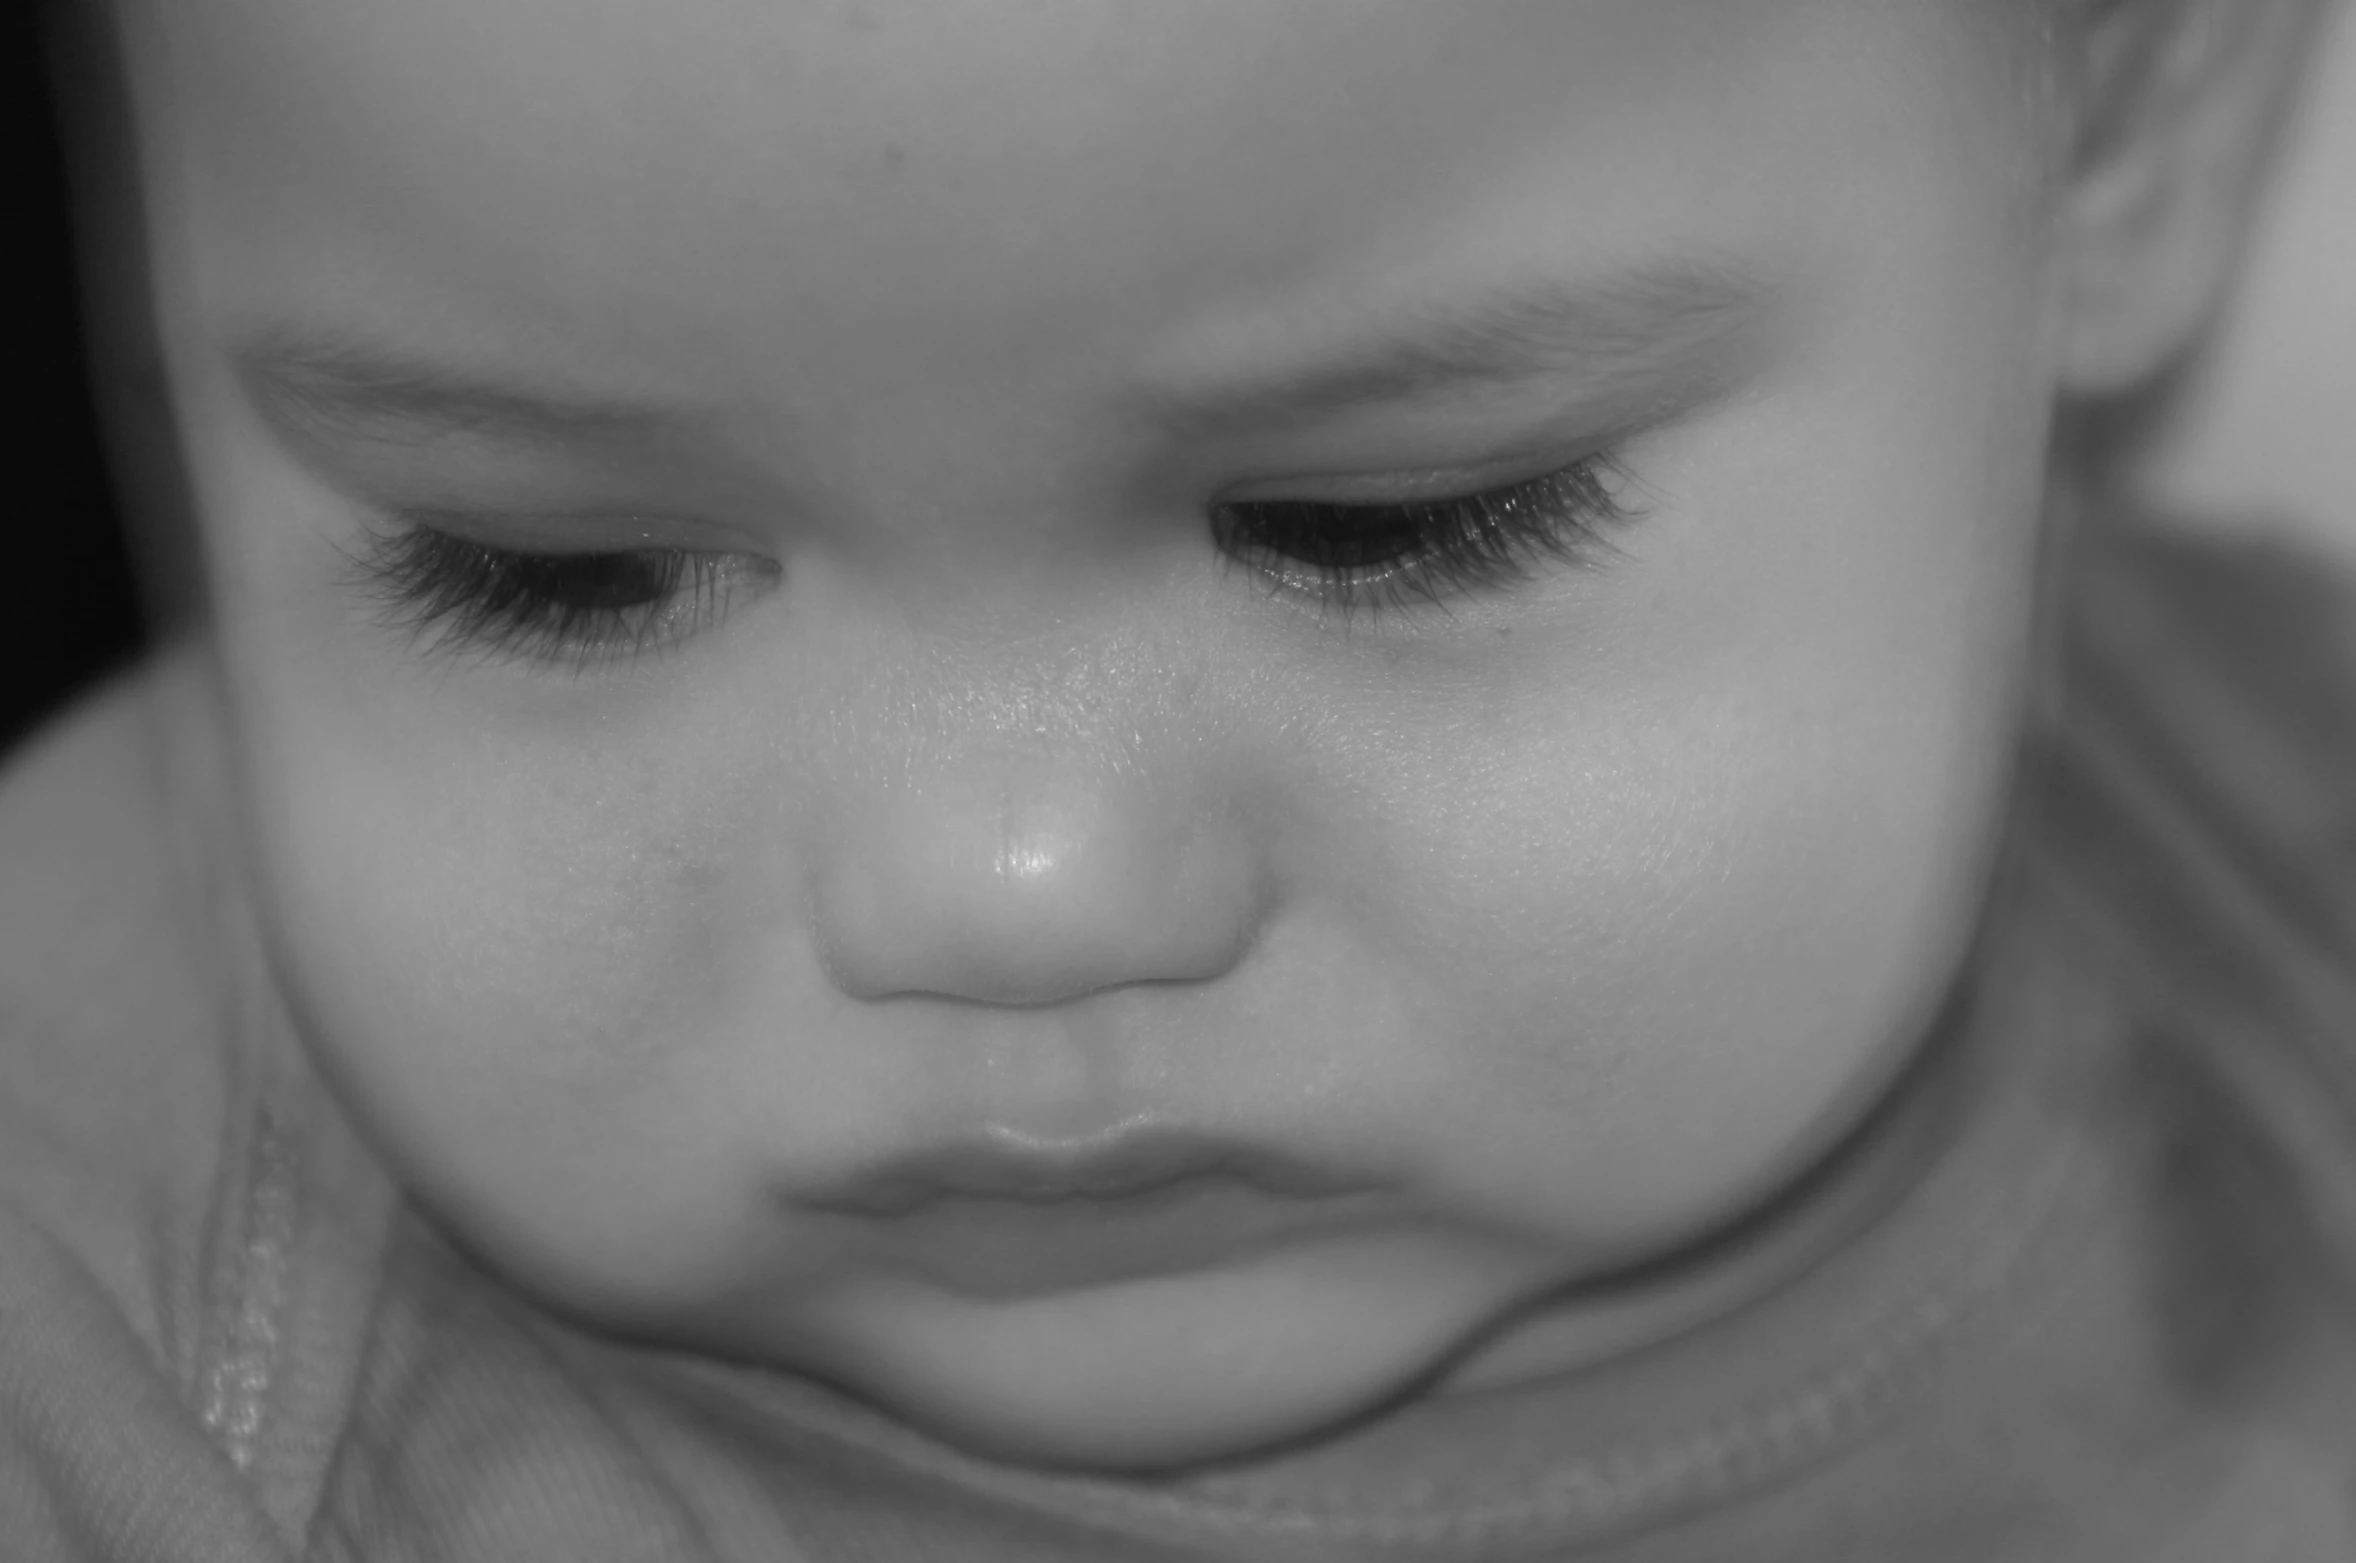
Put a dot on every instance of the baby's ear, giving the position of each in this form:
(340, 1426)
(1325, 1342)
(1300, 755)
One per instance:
(2179, 105)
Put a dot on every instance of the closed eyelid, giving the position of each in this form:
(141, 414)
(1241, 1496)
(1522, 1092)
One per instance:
(397, 428)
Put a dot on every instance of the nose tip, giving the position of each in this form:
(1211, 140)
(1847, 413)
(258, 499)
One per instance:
(1034, 894)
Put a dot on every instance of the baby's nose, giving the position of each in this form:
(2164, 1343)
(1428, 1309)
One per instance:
(1028, 886)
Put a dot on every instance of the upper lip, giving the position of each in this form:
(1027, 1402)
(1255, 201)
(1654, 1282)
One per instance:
(1123, 1164)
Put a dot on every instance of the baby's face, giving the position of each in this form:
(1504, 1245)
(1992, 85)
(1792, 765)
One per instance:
(801, 585)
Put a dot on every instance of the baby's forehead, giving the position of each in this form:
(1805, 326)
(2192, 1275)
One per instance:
(987, 183)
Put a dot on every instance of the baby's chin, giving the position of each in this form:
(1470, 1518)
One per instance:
(1155, 1374)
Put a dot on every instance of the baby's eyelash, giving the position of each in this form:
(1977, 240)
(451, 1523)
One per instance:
(453, 595)
(1352, 556)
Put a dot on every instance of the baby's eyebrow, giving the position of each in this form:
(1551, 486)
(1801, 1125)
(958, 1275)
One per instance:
(327, 381)
(1608, 330)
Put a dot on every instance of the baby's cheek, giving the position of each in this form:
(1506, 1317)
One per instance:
(511, 929)
(1672, 946)
(510, 983)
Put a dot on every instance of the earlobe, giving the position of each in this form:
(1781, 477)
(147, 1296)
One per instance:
(2180, 103)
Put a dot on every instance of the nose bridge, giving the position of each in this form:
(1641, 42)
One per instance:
(1042, 858)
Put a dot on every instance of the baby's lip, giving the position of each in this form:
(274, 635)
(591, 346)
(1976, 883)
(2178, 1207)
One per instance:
(1129, 1162)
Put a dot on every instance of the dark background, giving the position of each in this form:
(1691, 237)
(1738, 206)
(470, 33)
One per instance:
(68, 609)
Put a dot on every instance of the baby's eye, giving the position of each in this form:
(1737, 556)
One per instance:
(454, 595)
(1351, 556)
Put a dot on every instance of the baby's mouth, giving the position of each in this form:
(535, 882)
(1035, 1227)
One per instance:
(998, 1215)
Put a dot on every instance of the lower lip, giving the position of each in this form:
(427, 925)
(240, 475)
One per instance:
(1009, 1248)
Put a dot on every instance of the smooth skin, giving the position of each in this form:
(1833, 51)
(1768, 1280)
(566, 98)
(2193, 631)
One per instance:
(1573, 916)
